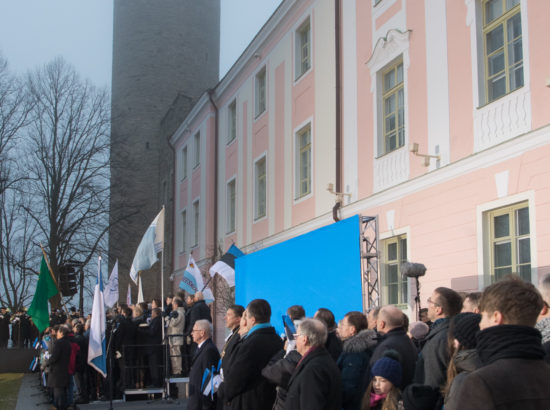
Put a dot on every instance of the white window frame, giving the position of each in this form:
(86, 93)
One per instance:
(196, 223)
(258, 215)
(397, 239)
(183, 225)
(184, 161)
(260, 92)
(298, 194)
(197, 147)
(300, 69)
(232, 121)
(483, 232)
(231, 206)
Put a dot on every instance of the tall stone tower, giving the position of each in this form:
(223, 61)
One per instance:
(165, 55)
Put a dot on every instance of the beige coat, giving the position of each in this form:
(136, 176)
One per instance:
(175, 327)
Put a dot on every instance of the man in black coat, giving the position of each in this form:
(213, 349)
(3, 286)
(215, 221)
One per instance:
(58, 375)
(4, 327)
(205, 357)
(152, 336)
(390, 326)
(514, 374)
(123, 339)
(315, 383)
(443, 304)
(244, 387)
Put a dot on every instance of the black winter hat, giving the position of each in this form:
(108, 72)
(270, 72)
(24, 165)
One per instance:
(466, 325)
(389, 368)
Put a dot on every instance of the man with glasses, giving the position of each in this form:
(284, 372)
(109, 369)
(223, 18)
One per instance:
(206, 356)
(443, 304)
(315, 383)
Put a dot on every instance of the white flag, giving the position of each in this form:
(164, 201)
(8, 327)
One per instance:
(96, 347)
(129, 296)
(151, 244)
(111, 290)
(140, 290)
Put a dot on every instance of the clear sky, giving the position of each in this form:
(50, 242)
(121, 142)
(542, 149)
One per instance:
(33, 32)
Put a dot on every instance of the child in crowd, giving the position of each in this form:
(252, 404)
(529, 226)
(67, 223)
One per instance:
(383, 393)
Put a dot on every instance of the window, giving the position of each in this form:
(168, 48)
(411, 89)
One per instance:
(230, 193)
(260, 92)
(260, 189)
(303, 48)
(184, 163)
(393, 100)
(183, 231)
(232, 121)
(197, 141)
(510, 241)
(395, 289)
(196, 223)
(303, 162)
(503, 47)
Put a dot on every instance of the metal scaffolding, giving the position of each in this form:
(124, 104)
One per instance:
(369, 261)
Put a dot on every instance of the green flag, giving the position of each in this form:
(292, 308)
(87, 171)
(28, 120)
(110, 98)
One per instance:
(45, 289)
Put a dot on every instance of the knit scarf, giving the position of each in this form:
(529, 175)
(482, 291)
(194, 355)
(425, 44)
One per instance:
(544, 327)
(376, 398)
(508, 341)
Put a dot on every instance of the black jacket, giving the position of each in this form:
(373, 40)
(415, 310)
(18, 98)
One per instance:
(204, 358)
(152, 334)
(125, 335)
(334, 345)
(465, 362)
(198, 311)
(397, 339)
(4, 326)
(278, 371)
(315, 384)
(58, 375)
(435, 356)
(244, 387)
(514, 374)
(354, 364)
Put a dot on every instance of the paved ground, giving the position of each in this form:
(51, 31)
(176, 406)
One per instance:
(32, 397)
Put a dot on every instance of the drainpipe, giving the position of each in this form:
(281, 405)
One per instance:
(216, 166)
(337, 51)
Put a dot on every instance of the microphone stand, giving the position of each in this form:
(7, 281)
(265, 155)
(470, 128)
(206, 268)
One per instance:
(417, 298)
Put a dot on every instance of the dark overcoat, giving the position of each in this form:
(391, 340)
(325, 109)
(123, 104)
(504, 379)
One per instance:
(244, 387)
(58, 376)
(204, 358)
(315, 384)
(435, 356)
(397, 339)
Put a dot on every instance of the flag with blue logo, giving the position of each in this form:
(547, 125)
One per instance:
(151, 244)
(192, 281)
(96, 349)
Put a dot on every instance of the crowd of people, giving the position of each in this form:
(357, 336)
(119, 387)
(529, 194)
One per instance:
(488, 349)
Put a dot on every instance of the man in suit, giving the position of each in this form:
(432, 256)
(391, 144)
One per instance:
(124, 338)
(205, 357)
(244, 387)
(4, 327)
(58, 376)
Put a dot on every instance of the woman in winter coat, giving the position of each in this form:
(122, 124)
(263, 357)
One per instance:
(358, 345)
(464, 358)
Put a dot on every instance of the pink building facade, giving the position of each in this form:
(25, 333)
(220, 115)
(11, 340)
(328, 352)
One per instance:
(353, 93)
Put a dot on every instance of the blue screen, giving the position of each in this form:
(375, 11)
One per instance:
(318, 269)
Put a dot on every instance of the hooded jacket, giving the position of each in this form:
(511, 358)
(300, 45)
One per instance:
(353, 364)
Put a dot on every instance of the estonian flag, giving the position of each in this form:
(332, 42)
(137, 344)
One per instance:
(225, 267)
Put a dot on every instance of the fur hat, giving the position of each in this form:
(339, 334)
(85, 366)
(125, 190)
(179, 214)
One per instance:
(466, 325)
(389, 367)
(418, 330)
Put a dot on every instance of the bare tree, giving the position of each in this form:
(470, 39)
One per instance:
(67, 162)
(17, 252)
(14, 110)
